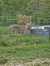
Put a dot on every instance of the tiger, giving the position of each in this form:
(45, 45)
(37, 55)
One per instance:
(19, 29)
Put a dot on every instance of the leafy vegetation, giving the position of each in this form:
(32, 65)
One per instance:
(39, 10)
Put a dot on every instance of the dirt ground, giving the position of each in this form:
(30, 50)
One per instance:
(36, 62)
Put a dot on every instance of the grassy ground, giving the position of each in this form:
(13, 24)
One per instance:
(3, 30)
(18, 47)
(23, 47)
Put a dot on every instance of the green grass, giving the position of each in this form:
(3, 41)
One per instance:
(23, 47)
(20, 47)
(3, 30)
(13, 40)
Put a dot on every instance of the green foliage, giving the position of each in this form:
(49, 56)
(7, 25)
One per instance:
(40, 18)
(3, 60)
(9, 8)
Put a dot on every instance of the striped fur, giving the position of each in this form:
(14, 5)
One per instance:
(22, 29)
